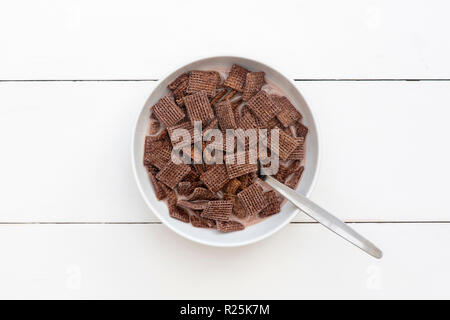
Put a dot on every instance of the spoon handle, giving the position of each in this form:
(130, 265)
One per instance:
(324, 217)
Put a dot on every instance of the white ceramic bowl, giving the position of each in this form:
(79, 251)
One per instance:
(252, 233)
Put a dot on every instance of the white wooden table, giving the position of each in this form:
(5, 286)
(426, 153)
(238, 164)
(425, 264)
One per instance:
(74, 74)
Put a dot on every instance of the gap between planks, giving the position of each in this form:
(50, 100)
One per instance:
(160, 223)
(153, 80)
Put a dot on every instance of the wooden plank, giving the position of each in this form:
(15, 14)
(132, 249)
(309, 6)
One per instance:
(144, 39)
(66, 150)
(384, 156)
(150, 261)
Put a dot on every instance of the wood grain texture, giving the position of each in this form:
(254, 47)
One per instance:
(146, 39)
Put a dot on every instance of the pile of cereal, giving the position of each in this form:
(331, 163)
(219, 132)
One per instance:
(225, 196)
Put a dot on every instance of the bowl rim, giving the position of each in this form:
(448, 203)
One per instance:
(188, 236)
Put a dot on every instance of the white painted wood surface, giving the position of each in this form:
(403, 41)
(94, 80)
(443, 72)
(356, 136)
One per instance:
(72, 224)
(66, 146)
(64, 39)
(149, 261)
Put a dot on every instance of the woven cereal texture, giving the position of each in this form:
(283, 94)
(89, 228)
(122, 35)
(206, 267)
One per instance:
(202, 81)
(295, 178)
(299, 152)
(273, 206)
(253, 84)
(193, 205)
(179, 214)
(159, 192)
(215, 178)
(236, 78)
(225, 115)
(178, 80)
(300, 129)
(239, 164)
(252, 199)
(198, 107)
(187, 125)
(229, 226)
(218, 210)
(286, 144)
(288, 114)
(157, 153)
(200, 222)
(200, 193)
(172, 174)
(263, 107)
(168, 112)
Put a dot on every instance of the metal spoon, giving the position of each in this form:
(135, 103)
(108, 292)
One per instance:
(324, 217)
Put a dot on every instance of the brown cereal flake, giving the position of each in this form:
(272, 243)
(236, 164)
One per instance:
(236, 78)
(252, 199)
(288, 114)
(225, 115)
(229, 226)
(168, 112)
(172, 174)
(198, 107)
(273, 206)
(219, 210)
(295, 178)
(200, 222)
(159, 192)
(200, 193)
(179, 214)
(263, 107)
(193, 205)
(299, 152)
(178, 80)
(253, 84)
(205, 81)
(215, 178)
(157, 153)
(301, 130)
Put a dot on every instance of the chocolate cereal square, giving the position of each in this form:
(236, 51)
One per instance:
(236, 78)
(225, 115)
(179, 214)
(239, 164)
(295, 178)
(200, 222)
(202, 194)
(202, 81)
(273, 206)
(300, 129)
(299, 152)
(168, 112)
(229, 226)
(178, 80)
(288, 114)
(157, 153)
(253, 84)
(198, 107)
(252, 199)
(187, 125)
(172, 174)
(159, 192)
(219, 210)
(215, 178)
(193, 205)
(286, 144)
(263, 107)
